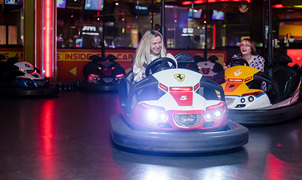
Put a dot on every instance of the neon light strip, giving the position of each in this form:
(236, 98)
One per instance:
(48, 48)
(211, 1)
(214, 36)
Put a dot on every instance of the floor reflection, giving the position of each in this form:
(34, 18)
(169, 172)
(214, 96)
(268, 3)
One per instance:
(47, 155)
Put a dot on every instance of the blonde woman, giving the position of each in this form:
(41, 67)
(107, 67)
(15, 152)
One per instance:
(150, 48)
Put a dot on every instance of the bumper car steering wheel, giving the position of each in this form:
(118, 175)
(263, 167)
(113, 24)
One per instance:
(160, 64)
(238, 62)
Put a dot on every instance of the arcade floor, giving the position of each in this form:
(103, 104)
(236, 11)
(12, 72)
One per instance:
(68, 138)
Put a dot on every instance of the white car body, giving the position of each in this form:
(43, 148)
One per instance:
(205, 68)
(29, 71)
(176, 101)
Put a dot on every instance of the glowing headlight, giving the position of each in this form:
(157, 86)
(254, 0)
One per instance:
(152, 114)
(163, 117)
(208, 116)
(155, 115)
(217, 114)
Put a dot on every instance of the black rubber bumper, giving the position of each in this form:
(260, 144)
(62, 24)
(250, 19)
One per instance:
(122, 135)
(29, 92)
(90, 87)
(266, 117)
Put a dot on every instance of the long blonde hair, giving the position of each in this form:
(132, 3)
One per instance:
(142, 57)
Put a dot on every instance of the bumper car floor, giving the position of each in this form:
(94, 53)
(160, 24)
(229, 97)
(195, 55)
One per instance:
(68, 137)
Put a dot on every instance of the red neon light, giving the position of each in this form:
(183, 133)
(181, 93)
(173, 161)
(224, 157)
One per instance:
(253, 93)
(119, 75)
(248, 79)
(196, 86)
(186, 3)
(211, 1)
(214, 36)
(235, 80)
(221, 104)
(180, 88)
(163, 87)
(278, 6)
(199, 1)
(47, 39)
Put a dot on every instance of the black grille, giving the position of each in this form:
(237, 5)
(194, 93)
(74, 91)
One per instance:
(187, 120)
(41, 83)
(108, 80)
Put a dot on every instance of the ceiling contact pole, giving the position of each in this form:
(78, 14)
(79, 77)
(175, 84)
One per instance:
(163, 29)
(103, 42)
(152, 5)
(206, 33)
(270, 38)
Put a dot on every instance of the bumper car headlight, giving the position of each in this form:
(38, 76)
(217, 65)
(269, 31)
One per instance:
(207, 116)
(156, 115)
(217, 114)
(29, 83)
(216, 110)
(150, 114)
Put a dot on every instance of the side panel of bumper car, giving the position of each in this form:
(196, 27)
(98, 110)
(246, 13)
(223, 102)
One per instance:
(232, 136)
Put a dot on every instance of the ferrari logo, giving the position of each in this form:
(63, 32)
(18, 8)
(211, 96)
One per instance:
(179, 77)
(237, 73)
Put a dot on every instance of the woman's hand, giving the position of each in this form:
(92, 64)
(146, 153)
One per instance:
(143, 75)
(225, 66)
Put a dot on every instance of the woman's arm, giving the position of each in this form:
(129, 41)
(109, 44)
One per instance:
(139, 73)
(172, 57)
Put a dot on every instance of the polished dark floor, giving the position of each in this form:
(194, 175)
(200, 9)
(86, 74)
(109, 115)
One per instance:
(68, 138)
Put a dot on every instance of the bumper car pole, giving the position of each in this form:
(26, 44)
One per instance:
(162, 21)
(270, 38)
(103, 36)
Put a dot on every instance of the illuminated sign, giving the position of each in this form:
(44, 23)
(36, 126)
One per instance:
(84, 56)
(90, 30)
(243, 7)
(61, 3)
(187, 32)
(296, 56)
(8, 54)
(14, 2)
(140, 9)
(96, 5)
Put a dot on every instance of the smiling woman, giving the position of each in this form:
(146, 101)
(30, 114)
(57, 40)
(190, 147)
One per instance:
(150, 48)
(248, 53)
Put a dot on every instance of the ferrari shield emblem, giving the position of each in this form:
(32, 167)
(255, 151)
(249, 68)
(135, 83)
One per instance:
(179, 77)
(237, 73)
